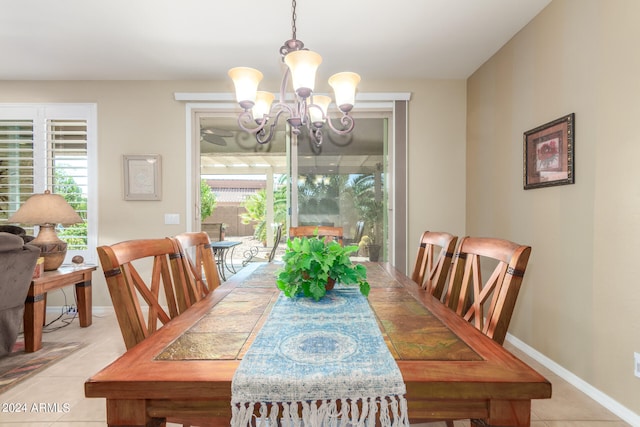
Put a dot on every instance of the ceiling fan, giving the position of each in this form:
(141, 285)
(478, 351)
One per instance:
(215, 136)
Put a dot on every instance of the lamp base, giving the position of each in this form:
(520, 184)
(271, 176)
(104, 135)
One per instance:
(52, 249)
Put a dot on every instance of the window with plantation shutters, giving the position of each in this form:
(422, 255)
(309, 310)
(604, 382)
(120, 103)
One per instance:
(50, 147)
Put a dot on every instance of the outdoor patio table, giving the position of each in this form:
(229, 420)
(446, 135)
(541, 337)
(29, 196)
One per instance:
(223, 251)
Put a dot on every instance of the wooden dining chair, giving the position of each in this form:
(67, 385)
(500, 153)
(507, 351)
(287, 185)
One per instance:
(433, 261)
(487, 304)
(201, 270)
(331, 233)
(124, 265)
(149, 271)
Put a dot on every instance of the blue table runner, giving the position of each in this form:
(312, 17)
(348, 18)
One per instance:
(326, 359)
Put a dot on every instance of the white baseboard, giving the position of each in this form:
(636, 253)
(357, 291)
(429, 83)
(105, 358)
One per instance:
(603, 399)
(102, 310)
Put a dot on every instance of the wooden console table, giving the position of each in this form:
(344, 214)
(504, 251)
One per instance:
(35, 305)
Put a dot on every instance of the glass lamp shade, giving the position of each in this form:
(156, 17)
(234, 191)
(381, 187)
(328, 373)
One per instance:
(303, 65)
(263, 104)
(344, 86)
(315, 114)
(246, 82)
(47, 210)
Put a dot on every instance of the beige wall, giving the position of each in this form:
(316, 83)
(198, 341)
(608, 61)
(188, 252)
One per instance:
(133, 118)
(143, 118)
(580, 298)
(436, 178)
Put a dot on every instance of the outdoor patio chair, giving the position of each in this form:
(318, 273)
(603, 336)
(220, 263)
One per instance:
(331, 233)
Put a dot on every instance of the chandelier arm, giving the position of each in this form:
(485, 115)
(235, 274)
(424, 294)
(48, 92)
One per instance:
(246, 117)
(281, 108)
(264, 136)
(283, 86)
(315, 134)
(347, 122)
(303, 113)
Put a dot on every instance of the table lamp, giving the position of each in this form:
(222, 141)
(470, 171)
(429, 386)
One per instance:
(47, 210)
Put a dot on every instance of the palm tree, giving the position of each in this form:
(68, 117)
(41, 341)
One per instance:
(368, 204)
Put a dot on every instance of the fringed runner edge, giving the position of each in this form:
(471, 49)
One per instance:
(392, 413)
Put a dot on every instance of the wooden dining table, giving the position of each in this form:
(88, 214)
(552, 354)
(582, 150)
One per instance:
(184, 370)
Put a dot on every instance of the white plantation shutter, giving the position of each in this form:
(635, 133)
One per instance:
(51, 147)
(67, 172)
(16, 165)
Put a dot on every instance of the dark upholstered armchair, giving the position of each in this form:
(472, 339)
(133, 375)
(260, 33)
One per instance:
(17, 263)
(14, 229)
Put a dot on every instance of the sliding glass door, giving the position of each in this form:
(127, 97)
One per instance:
(343, 183)
(291, 181)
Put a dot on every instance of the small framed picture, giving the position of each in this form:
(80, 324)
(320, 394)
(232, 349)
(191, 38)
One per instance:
(142, 177)
(549, 154)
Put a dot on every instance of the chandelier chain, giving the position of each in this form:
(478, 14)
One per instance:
(293, 19)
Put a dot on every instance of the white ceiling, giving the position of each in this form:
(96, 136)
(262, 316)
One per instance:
(201, 40)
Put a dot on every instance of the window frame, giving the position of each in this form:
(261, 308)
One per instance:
(40, 114)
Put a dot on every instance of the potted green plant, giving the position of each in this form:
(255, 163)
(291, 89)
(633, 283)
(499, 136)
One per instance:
(374, 249)
(313, 264)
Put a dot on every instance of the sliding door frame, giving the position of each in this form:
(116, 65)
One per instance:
(396, 104)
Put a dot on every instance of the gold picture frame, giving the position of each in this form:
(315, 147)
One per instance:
(142, 177)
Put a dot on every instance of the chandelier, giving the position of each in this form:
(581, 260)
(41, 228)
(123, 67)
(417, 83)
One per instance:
(260, 114)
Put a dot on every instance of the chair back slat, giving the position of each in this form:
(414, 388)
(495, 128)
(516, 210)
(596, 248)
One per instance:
(141, 275)
(487, 304)
(330, 233)
(199, 263)
(433, 262)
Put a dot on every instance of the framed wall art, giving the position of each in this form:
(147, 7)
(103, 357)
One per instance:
(549, 154)
(142, 177)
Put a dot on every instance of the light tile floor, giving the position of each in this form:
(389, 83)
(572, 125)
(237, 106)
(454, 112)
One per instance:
(63, 384)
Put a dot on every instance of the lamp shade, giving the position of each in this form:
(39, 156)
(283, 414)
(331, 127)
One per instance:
(46, 208)
(246, 82)
(344, 86)
(318, 115)
(303, 65)
(262, 105)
